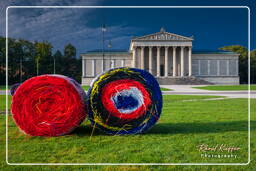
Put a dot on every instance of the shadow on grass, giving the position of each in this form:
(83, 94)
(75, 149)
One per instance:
(86, 130)
(180, 128)
(208, 127)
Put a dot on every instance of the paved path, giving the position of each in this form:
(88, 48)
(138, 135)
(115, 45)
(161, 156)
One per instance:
(2, 92)
(188, 90)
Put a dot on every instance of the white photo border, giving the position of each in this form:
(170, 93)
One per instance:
(249, 86)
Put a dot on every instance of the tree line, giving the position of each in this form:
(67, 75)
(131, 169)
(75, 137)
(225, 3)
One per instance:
(27, 59)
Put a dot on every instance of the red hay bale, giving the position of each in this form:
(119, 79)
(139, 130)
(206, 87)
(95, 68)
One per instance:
(48, 105)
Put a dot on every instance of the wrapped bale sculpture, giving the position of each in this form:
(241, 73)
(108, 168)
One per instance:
(124, 101)
(48, 105)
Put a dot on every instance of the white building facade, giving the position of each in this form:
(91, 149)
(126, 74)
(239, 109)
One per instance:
(167, 56)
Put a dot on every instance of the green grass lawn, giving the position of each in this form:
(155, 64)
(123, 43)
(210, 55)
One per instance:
(182, 127)
(3, 87)
(227, 87)
(165, 89)
(86, 87)
(2, 103)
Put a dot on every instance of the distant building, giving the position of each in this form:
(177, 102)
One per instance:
(169, 57)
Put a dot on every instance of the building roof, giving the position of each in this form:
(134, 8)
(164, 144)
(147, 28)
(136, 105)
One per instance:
(212, 52)
(108, 51)
(163, 36)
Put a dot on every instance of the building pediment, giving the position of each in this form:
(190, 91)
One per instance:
(163, 36)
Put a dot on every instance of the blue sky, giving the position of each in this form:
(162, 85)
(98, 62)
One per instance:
(211, 28)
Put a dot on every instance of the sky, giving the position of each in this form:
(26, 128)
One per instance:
(211, 28)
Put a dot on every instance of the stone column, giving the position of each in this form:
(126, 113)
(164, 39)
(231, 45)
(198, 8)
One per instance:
(166, 62)
(134, 56)
(93, 67)
(218, 67)
(113, 63)
(83, 66)
(102, 65)
(182, 61)
(189, 61)
(150, 60)
(227, 66)
(174, 61)
(142, 63)
(122, 63)
(199, 67)
(237, 67)
(158, 62)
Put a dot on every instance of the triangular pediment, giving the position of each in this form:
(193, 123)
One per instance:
(162, 35)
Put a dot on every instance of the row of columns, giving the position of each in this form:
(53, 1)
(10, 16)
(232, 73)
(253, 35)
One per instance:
(165, 60)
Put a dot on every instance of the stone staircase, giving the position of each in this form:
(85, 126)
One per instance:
(182, 81)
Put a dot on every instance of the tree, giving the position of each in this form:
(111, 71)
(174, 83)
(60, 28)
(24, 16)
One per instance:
(72, 64)
(243, 62)
(2, 61)
(253, 66)
(43, 55)
(69, 51)
(31, 54)
(58, 62)
(15, 54)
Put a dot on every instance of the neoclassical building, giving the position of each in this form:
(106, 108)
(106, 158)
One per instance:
(169, 57)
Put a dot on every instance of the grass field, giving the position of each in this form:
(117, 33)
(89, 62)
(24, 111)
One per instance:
(3, 87)
(227, 87)
(165, 89)
(85, 87)
(186, 122)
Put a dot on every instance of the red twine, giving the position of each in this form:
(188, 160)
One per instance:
(124, 84)
(48, 105)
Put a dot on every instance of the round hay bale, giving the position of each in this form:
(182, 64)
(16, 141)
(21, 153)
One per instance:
(48, 105)
(124, 101)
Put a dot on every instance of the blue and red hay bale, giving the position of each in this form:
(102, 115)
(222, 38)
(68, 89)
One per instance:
(124, 101)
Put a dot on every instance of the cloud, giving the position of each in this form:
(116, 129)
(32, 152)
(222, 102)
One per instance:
(38, 16)
(90, 38)
(63, 26)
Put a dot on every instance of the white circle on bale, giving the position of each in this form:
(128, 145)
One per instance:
(134, 93)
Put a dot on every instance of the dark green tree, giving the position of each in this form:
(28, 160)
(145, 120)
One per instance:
(28, 59)
(24, 56)
(15, 56)
(243, 62)
(2, 61)
(69, 51)
(253, 66)
(72, 64)
(59, 62)
(43, 58)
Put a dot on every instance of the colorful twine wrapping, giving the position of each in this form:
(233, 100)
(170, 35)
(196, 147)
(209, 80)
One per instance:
(14, 88)
(124, 101)
(48, 105)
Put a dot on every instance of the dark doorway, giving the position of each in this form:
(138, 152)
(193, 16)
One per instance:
(161, 70)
